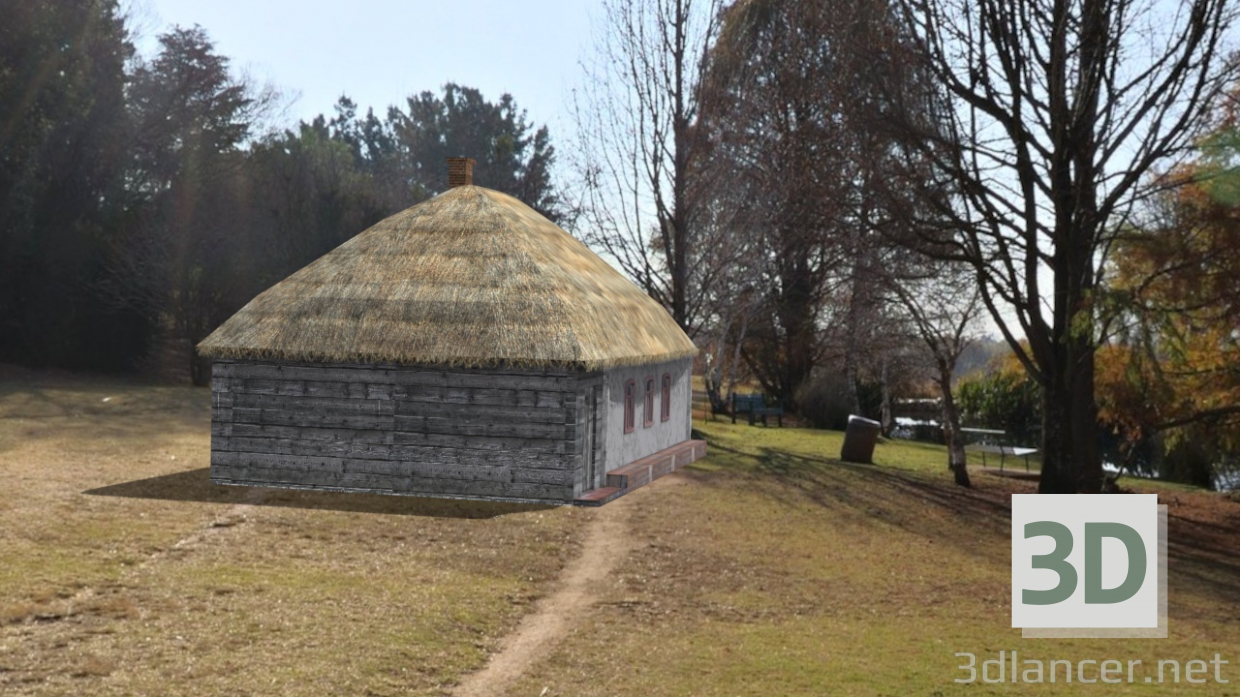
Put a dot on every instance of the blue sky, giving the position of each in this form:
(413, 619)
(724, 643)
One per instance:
(380, 51)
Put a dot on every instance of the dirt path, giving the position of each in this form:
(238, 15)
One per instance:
(607, 543)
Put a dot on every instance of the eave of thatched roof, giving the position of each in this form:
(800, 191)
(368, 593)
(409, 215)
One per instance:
(471, 277)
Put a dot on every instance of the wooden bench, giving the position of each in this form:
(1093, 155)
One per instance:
(1000, 445)
(755, 406)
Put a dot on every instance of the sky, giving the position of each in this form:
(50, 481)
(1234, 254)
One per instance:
(378, 52)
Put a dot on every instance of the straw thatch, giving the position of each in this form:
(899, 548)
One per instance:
(471, 277)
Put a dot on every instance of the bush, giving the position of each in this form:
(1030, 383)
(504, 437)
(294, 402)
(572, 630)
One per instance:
(826, 403)
(1005, 398)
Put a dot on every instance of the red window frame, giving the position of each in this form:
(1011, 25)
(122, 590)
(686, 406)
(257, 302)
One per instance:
(630, 404)
(648, 412)
(665, 409)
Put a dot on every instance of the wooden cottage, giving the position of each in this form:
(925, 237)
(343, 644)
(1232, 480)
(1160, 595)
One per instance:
(465, 347)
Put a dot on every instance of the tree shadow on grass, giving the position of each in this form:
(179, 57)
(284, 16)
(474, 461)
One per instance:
(1207, 554)
(885, 492)
(914, 502)
(196, 486)
(1203, 550)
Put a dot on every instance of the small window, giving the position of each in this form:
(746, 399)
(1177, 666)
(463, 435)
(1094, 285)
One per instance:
(648, 414)
(665, 411)
(630, 403)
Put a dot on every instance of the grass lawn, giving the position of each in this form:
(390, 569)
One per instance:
(124, 571)
(778, 570)
(769, 568)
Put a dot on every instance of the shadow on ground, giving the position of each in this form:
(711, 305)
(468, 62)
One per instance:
(196, 486)
(1204, 536)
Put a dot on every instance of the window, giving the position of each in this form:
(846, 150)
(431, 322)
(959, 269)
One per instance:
(630, 399)
(648, 414)
(665, 411)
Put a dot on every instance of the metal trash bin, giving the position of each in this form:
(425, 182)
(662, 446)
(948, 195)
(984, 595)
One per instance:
(860, 439)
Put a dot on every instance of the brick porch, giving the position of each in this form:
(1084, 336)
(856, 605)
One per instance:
(622, 480)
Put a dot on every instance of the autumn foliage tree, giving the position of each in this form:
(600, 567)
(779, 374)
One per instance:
(1173, 367)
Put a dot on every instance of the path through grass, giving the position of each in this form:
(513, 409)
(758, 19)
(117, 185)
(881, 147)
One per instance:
(782, 571)
(124, 571)
(769, 568)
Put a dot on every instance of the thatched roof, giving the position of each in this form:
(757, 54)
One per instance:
(471, 277)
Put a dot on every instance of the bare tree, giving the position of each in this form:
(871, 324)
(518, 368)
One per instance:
(1052, 113)
(728, 275)
(942, 304)
(635, 116)
(771, 117)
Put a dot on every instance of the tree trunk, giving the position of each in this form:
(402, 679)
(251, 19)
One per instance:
(734, 373)
(796, 313)
(1071, 459)
(885, 418)
(852, 345)
(712, 376)
(956, 458)
(850, 373)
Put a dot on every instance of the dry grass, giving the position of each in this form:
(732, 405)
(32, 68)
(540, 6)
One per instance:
(471, 277)
(124, 571)
(780, 571)
(771, 569)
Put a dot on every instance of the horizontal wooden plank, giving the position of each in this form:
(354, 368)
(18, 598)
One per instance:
(543, 476)
(482, 396)
(293, 463)
(315, 388)
(506, 379)
(431, 471)
(480, 427)
(484, 412)
(529, 490)
(308, 434)
(332, 434)
(315, 405)
(410, 393)
(382, 484)
(293, 372)
(482, 442)
(312, 419)
(392, 452)
(259, 475)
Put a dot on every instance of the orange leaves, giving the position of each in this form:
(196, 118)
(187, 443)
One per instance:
(1176, 283)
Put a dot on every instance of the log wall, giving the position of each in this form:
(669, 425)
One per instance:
(587, 384)
(505, 434)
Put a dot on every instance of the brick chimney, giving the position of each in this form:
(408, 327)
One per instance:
(460, 172)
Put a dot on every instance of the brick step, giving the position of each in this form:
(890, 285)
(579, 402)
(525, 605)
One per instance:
(641, 472)
(598, 497)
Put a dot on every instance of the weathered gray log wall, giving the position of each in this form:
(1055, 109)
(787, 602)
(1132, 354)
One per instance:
(589, 385)
(506, 434)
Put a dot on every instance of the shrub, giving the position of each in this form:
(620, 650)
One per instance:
(826, 403)
(1004, 398)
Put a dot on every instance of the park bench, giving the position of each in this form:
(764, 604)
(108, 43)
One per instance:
(996, 442)
(755, 406)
